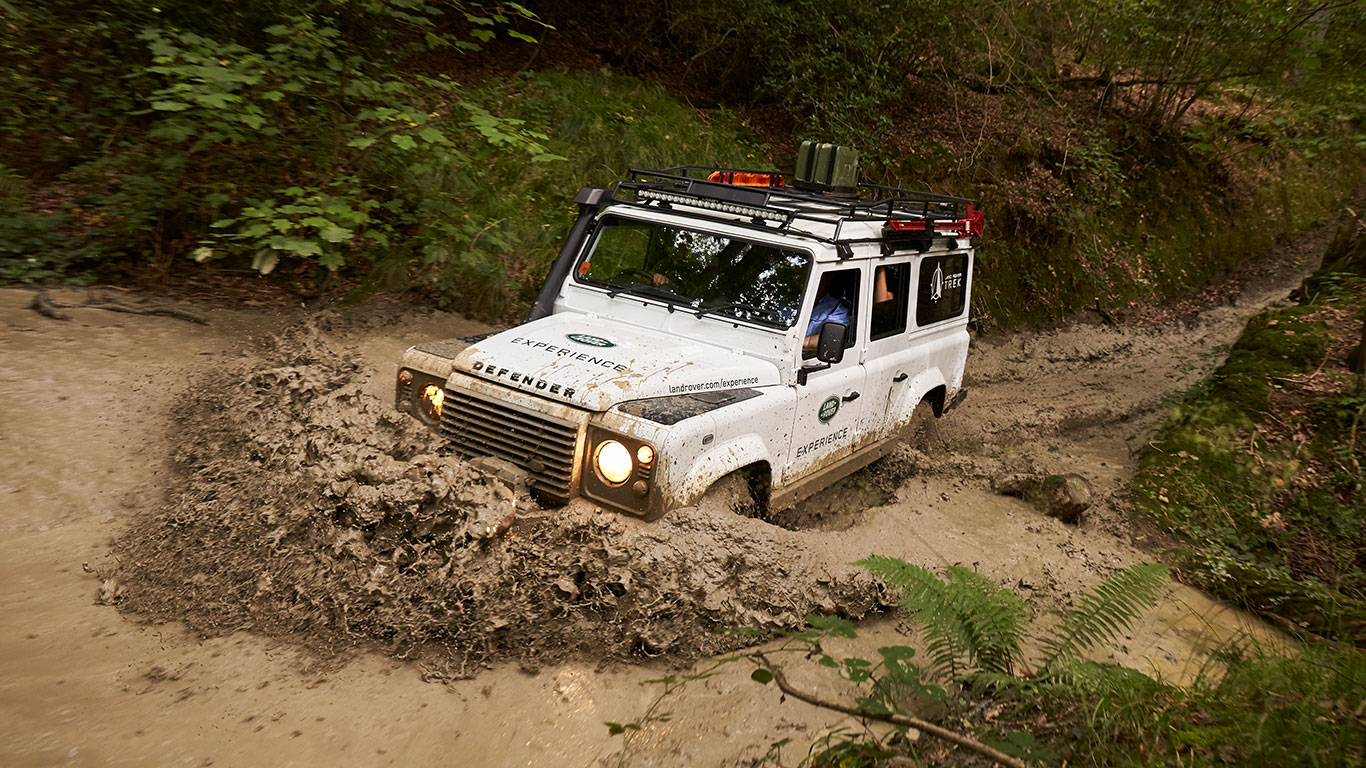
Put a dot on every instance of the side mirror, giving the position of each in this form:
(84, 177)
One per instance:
(830, 344)
(829, 349)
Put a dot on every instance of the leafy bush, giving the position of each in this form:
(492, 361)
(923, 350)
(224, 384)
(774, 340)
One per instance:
(495, 224)
(286, 126)
(34, 246)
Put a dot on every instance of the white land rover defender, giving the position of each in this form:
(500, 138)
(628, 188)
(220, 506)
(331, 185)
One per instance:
(700, 322)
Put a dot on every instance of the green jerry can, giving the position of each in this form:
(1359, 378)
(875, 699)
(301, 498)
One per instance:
(827, 166)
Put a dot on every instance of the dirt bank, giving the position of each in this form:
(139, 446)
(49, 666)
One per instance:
(93, 409)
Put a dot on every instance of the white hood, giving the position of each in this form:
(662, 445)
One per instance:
(596, 363)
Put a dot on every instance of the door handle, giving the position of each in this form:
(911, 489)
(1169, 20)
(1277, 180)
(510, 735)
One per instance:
(851, 397)
(901, 377)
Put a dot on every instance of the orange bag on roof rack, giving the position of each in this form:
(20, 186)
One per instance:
(740, 179)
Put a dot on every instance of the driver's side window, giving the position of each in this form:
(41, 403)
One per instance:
(835, 300)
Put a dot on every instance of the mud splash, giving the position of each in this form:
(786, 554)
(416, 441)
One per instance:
(305, 506)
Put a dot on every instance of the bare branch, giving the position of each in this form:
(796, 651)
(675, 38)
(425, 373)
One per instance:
(923, 726)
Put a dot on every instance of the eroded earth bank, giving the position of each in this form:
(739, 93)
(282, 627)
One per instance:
(221, 547)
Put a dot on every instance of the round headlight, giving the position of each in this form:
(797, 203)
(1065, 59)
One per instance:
(432, 398)
(613, 462)
(645, 454)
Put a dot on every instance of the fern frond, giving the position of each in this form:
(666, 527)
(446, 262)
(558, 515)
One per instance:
(967, 622)
(1104, 612)
(994, 618)
(907, 578)
(925, 600)
(11, 185)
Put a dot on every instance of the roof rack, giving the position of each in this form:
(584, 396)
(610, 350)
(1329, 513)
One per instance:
(911, 218)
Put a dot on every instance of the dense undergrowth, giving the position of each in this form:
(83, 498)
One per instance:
(1258, 474)
(343, 147)
(1254, 706)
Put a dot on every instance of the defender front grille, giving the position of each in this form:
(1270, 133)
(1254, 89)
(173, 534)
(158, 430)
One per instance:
(542, 445)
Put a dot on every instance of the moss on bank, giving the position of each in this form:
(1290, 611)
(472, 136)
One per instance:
(1153, 222)
(1256, 707)
(1258, 474)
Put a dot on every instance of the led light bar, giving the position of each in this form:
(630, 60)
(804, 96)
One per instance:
(714, 205)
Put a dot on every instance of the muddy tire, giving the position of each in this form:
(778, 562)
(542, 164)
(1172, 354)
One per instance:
(923, 428)
(737, 492)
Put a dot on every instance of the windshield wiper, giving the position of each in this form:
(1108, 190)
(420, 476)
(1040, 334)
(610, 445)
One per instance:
(655, 291)
(737, 305)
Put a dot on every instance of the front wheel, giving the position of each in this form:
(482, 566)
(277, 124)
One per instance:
(741, 492)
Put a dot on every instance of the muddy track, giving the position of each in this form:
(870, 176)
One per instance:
(93, 409)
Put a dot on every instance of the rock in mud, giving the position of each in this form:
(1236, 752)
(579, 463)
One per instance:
(303, 506)
(1062, 496)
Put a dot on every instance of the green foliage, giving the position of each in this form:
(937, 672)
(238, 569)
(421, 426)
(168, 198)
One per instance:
(1103, 613)
(154, 122)
(287, 126)
(1100, 175)
(968, 623)
(34, 246)
(1247, 706)
(373, 146)
(970, 626)
(1115, 218)
(500, 219)
(835, 68)
(1258, 707)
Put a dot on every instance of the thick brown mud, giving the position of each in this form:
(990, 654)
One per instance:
(251, 489)
(305, 506)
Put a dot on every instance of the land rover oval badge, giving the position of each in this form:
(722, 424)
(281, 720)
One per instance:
(829, 408)
(592, 341)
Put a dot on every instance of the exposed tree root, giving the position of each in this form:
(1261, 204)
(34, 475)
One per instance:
(49, 308)
(44, 306)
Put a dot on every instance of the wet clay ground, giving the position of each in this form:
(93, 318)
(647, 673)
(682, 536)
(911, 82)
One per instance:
(91, 408)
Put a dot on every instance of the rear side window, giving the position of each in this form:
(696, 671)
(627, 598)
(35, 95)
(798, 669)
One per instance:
(891, 297)
(941, 289)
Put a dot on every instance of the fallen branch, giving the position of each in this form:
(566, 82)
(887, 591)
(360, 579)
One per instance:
(911, 722)
(48, 308)
(178, 314)
(44, 306)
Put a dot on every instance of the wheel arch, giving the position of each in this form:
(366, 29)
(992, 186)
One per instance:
(746, 454)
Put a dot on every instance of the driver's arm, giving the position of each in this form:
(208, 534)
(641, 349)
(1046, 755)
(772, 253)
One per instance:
(880, 291)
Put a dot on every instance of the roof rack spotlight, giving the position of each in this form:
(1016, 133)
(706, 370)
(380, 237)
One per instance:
(710, 204)
(746, 179)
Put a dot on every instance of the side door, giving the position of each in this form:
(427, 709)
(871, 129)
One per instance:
(888, 360)
(826, 425)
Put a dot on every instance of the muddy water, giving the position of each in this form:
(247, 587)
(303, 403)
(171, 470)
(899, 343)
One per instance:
(84, 409)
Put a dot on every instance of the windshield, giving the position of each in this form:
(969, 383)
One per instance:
(710, 274)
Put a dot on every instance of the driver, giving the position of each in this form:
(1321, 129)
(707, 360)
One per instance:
(828, 308)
